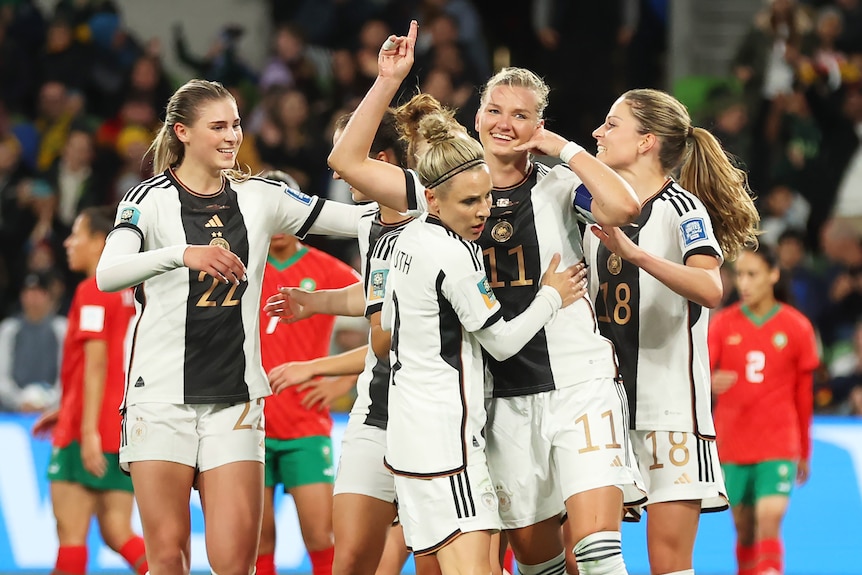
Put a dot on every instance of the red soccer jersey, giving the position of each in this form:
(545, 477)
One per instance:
(766, 414)
(309, 269)
(94, 315)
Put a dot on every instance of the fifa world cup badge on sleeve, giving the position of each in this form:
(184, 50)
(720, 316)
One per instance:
(487, 293)
(693, 230)
(377, 285)
(130, 215)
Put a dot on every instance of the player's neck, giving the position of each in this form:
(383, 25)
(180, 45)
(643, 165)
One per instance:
(762, 308)
(506, 173)
(282, 254)
(389, 216)
(645, 183)
(199, 179)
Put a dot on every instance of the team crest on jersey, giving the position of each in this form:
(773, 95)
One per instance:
(130, 215)
(502, 231)
(779, 340)
(298, 196)
(219, 241)
(487, 293)
(693, 230)
(307, 284)
(377, 285)
(615, 264)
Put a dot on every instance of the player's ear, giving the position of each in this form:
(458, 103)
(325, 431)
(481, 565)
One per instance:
(181, 132)
(431, 198)
(647, 142)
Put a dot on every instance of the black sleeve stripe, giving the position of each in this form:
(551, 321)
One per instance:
(700, 251)
(412, 200)
(128, 226)
(495, 317)
(372, 309)
(312, 217)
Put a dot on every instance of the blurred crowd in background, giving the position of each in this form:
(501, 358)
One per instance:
(81, 96)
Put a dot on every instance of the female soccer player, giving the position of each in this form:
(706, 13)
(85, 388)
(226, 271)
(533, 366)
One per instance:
(763, 354)
(193, 240)
(651, 282)
(85, 477)
(566, 374)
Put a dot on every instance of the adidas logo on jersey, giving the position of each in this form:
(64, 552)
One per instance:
(683, 479)
(215, 222)
(140, 382)
(617, 462)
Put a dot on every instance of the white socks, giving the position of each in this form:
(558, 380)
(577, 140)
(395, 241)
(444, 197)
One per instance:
(555, 566)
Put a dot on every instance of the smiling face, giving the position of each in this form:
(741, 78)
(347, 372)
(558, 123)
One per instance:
(213, 140)
(507, 117)
(465, 202)
(619, 138)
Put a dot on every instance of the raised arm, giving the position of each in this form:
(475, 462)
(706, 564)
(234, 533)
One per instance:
(614, 201)
(378, 180)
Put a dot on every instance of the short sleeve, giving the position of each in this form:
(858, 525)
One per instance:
(417, 204)
(134, 216)
(694, 228)
(296, 211)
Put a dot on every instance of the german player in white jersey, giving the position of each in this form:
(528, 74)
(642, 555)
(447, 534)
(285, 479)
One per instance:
(364, 503)
(442, 312)
(566, 375)
(193, 241)
(652, 283)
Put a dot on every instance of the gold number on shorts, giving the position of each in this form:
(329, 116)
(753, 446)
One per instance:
(590, 447)
(655, 463)
(240, 422)
(205, 300)
(494, 279)
(622, 310)
(675, 457)
(614, 445)
(676, 447)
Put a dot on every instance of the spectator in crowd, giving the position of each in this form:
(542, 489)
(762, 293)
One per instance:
(30, 349)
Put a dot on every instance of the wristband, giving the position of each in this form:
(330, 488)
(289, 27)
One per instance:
(569, 150)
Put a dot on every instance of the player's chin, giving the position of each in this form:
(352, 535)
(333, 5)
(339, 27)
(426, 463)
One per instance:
(476, 231)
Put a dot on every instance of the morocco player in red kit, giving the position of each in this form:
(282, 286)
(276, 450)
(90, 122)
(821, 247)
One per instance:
(84, 470)
(298, 443)
(763, 354)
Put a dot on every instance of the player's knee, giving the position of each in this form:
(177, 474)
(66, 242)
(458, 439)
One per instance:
(600, 554)
(318, 539)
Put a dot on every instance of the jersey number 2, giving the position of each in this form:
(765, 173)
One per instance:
(755, 361)
(205, 300)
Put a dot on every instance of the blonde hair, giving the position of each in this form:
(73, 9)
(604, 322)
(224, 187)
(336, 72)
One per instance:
(518, 78)
(183, 108)
(705, 169)
(409, 115)
(448, 153)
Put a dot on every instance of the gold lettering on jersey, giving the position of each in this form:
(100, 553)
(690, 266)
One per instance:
(219, 241)
(502, 231)
(401, 261)
(615, 264)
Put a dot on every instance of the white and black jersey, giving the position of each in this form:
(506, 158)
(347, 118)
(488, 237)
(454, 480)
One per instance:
(436, 295)
(376, 241)
(196, 339)
(529, 223)
(660, 336)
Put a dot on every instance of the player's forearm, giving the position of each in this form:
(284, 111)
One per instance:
(123, 265)
(348, 363)
(614, 201)
(805, 412)
(347, 301)
(95, 375)
(700, 285)
(504, 338)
